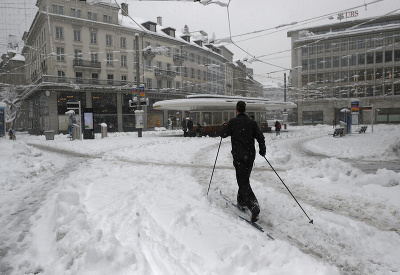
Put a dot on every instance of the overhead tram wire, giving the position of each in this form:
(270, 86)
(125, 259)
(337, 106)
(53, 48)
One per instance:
(144, 30)
(284, 69)
(139, 25)
(317, 41)
(315, 19)
(53, 55)
(373, 19)
(290, 25)
(230, 36)
(306, 20)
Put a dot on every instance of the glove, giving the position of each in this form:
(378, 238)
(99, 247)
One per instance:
(262, 152)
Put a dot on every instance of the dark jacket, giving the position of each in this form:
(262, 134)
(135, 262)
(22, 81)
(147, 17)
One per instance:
(277, 126)
(190, 125)
(243, 131)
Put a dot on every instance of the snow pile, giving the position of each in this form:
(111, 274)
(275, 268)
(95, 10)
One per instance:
(128, 205)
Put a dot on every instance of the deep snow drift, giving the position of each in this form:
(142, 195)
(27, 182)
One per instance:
(129, 205)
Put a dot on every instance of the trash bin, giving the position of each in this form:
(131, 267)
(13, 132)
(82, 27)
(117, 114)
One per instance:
(103, 130)
(49, 134)
(75, 131)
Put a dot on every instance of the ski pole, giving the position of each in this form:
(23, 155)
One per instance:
(310, 220)
(214, 166)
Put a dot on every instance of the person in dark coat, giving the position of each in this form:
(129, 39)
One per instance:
(199, 130)
(243, 131)
(184, 127)
(278, 128)
(190, 126)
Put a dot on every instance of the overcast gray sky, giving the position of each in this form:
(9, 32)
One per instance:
(245, 16)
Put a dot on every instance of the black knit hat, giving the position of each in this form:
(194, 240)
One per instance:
(241, 106)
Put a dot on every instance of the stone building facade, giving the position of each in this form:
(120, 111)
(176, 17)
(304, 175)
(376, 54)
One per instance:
(85, 51)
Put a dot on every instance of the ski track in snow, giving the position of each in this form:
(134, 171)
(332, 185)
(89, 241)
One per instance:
(115, 216)
(30, 194)
(343, 202)
(285, 220)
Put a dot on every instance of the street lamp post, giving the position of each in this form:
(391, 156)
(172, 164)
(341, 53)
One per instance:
(139, 107)
(284, 99)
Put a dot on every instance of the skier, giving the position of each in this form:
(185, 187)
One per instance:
(243, 131)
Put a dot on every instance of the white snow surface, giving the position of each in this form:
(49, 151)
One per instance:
(130, 205)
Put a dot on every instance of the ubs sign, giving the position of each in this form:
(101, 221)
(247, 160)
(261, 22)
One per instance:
(349, 14)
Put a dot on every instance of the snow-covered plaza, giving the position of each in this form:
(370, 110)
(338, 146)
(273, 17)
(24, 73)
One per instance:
(129, 205)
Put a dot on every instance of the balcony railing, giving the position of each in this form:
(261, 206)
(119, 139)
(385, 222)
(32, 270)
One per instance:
(178, 59)
(149, 54)
(86, 63)
(164, 73)
(84, 81)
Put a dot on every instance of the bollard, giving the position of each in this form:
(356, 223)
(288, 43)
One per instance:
(75, 131)
(103, 130)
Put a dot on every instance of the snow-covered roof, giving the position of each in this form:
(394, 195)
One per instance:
(133, 22)
(18, 57)
(350, 31)
(270, 85)
(103, 2)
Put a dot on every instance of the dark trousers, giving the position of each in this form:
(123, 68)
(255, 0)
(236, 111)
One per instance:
(245, 195)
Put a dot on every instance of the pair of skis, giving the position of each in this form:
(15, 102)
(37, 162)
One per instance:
(243, 215)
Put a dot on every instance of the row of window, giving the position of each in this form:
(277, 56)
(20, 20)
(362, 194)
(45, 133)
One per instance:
(187, 56)
(351, 60)
(193, 73)
(160, 84)
(345, 45)
(356, 91)
(74, 12)
(94, 57)
(167, 50)
(59, 33)
(199, 59)
(95, 77)
(387, 73)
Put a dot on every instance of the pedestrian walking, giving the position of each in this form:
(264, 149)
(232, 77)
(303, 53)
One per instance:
(190, 126)
(11, 134)
(278, 128)
(243, 131)
(184, 127)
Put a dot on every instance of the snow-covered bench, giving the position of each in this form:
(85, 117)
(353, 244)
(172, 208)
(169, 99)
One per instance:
(338, 132)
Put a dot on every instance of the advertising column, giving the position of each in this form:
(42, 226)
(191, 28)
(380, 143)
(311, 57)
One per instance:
(88, 132)
(140, 114)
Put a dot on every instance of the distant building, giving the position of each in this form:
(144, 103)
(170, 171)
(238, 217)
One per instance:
(244, 83)
(273, 91)
(333, 64)
(12, 79)
(12, 69)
